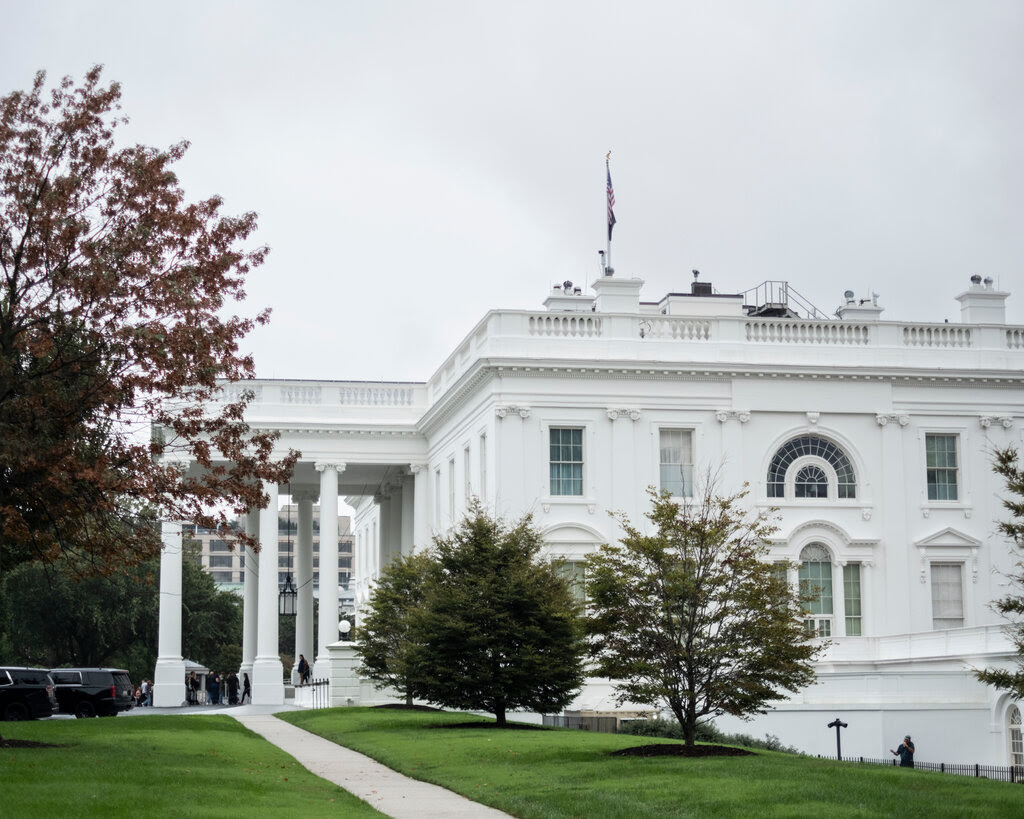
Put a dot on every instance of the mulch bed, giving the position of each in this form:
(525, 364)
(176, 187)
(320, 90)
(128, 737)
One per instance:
(682, 750)
(25, 743)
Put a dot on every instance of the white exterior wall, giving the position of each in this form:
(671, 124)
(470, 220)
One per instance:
(744, 386)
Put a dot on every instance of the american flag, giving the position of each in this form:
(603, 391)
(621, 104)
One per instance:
(611, 202)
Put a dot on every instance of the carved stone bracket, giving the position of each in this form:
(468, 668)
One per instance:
(865, 514)
(740, 415)
(631, 414)
(1005, 421)
(900, 418)
(511, 409)
(813, 417)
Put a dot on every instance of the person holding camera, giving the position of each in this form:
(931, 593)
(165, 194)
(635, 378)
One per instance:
(905, 752)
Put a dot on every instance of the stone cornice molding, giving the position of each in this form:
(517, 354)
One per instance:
(1005, 421)
(724, 415)
(512, 409)
(884, 418)
(631, 414)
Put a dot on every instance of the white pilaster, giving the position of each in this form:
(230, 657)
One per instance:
(408, 515)
(267, 670)
(420, 525)
(304, 642)
(250, 592)
(328, 564)
(169, 677)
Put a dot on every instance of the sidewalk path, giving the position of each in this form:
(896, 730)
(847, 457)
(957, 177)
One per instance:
(388, 791)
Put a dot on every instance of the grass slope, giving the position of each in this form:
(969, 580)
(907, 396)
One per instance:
(159, 766)
(564, 773)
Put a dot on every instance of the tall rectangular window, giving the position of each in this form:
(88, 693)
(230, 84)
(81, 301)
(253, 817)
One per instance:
(947, 595)
(816, 584)
(451, 490)
(566, 464)
(676, 461)
(483, 465)
(574, 572)
(851, 599)
(940, 455)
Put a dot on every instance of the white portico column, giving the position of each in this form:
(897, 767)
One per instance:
(250, 595)
(267, 670)
(169, 678)
(328, 565)
(304, 577)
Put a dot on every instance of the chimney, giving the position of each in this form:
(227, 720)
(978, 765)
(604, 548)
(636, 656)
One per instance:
(981, 303)
(617, 295)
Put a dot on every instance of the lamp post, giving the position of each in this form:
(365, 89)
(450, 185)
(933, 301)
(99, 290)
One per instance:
(837, 724)
(288, 595)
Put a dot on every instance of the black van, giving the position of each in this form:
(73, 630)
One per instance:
(90, 692)
(26, 693)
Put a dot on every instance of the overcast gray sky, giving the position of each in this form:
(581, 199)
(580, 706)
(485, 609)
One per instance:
(415, 164)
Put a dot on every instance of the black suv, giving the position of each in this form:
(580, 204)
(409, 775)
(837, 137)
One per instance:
(90, 692)
(26, 693)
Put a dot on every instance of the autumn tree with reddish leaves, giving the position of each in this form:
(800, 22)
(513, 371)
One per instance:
(113, 322)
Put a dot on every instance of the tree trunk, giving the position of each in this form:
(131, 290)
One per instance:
(499, 715)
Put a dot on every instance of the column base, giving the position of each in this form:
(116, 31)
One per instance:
(267, 681)
(169, 683)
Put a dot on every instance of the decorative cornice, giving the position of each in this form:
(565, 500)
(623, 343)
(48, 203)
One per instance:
(1005, 421)
(884, 418)
(511, 409)
(724, 415)
(631, 414)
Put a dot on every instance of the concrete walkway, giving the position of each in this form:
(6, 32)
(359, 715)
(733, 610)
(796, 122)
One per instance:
(388, 791)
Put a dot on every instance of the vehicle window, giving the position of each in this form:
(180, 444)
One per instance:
(30, 677)
(66, 677)
(5, 678)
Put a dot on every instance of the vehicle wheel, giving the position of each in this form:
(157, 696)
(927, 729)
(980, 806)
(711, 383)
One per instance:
(16, 712)
(84, 710)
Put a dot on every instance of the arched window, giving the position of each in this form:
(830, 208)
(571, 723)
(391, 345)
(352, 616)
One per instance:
(816, 585)
(1016, 738)
(820, 461)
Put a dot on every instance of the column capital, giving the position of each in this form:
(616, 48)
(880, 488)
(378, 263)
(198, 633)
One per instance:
(322, 465)
(416, 468)
(884, 418)
(502, 412)
(631, 414)
(724, 415)
(305, 495)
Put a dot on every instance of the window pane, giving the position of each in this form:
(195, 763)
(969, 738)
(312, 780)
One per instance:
(851, 599)
(566, 467)
(676, 461)
(941, 466)
(947, 595)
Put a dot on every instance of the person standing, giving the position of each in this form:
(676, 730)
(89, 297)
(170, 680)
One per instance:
(246, 689)
(905, 752)
(303, 670)
(232, 688)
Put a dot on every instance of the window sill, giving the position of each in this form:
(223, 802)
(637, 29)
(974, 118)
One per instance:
(569, 501)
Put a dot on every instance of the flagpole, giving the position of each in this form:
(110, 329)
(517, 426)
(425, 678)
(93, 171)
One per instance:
(609, 270)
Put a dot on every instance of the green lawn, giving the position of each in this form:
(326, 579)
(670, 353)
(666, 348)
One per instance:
(159, 766)
(563, 773)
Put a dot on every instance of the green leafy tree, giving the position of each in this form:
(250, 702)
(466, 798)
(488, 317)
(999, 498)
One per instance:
(55, 615)
(1007, 465)
(114, 319)
(387, 645)
(692, 617)
(498, 629)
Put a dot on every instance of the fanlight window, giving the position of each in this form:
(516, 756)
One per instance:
(812, 480)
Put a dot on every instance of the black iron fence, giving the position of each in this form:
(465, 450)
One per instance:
(318, 691)
(1001, 773)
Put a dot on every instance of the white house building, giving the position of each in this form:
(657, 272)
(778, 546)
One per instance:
(872, 438)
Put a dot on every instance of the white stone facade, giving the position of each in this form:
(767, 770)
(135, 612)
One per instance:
(872, 438)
